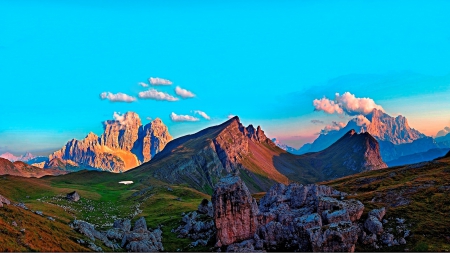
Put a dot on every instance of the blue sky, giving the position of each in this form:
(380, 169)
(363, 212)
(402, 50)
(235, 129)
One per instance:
(265, 61)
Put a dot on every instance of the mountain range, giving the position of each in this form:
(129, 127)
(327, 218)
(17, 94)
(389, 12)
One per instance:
(19, 168)
(201, 159)
(23, 158)
(396, 138)
(124, 144)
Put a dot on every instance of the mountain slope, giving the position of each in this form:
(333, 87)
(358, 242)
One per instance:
(124, 144)
(24, 170)
(419, 157)
(201, 159)
(23, 158)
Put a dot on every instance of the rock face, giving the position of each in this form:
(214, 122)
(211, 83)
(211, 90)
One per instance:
(139, 239)
(235, 211)
(293, 218)
(73, 196)
(124, 144)
(4, 200)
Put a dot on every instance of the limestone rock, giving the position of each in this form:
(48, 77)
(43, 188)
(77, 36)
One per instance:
(235, 211)
(378, 213)
(373, 225)
(4, 200)
(73, 196)
(340, 236)
(206, 207)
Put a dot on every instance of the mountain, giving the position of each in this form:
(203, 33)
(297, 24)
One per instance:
(124, 144)
(395, 136)
(285, 147)
(419, 157)
(22, 169)
(24, 158)
(201, 159)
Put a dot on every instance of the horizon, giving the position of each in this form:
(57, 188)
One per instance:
(70, 66)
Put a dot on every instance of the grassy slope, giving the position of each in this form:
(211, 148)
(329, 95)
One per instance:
(103, 200)
(419, 193)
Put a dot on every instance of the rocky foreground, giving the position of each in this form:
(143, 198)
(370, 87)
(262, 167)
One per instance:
(294, 218)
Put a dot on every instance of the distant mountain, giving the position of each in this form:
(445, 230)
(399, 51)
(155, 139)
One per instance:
(22, 169)
(395, 136)
(201, 159)
(419, 157)
(124, 144)
(23, 158)
(444, 138)
(285, 147)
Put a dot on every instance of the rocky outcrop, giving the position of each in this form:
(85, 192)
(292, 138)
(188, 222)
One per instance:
(294, 218)
(235, 211)
(73, 196)
(198, 225)
(139, 239)
(124, 144)
(4, 200)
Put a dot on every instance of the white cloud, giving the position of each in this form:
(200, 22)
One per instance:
(353, 105)
(361, 120)
(179, 118)
(157, 95)
(230, 116)
(149, 118)
(443, 132)
(184, 93)
(119, 97)
(159, 81)
(346, 103)
(143, 84)
(334, 126)
(327, 106)
(203, 114)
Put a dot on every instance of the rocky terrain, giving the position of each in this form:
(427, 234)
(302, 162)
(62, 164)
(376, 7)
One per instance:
(22, 169)
(201, 159)
(294, 218)
(124, 144)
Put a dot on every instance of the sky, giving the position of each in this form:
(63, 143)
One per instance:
(66, 67)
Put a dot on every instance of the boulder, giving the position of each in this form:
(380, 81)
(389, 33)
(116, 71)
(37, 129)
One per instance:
(373, 225)
(73, 196)
(140, 226)
(340, 236)
(122, 224)
(378, 213)
(4, 200)
(206, 207)
(235, 211)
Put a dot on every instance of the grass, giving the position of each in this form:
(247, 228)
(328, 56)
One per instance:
(419, 194)
(103, 200)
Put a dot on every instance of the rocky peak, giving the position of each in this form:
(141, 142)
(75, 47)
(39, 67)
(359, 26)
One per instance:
(122, 132)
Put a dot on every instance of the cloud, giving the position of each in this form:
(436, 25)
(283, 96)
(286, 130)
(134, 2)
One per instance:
(443, 132)
(346, 103)
(123, 119)
(334, 126)
(230, 116)
(361, 120)
(119, 97)
(327, 106)
(149, 118)
(316, 121)
(180, 118)
(159, 81)
(184, 93)
(203, 114)
(143, 84)
(157, 95)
